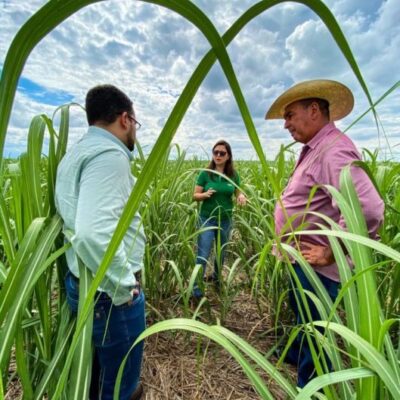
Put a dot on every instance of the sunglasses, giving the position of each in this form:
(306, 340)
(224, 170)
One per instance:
(219, 153)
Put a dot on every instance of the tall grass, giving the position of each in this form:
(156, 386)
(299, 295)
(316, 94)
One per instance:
(169, 218)
(45, 341)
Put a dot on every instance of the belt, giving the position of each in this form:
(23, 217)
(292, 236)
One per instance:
(135, 290)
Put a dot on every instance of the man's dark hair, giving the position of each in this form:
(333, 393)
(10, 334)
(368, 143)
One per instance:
(104, 103)
(322, 103)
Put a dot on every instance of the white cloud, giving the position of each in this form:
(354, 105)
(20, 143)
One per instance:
(312, 53)
(151, 53)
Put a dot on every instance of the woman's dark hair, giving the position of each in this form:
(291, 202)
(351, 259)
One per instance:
(104, 103)
(229, 170)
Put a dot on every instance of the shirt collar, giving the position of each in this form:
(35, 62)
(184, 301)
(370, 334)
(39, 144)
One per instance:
(96, 131)
(321, 135)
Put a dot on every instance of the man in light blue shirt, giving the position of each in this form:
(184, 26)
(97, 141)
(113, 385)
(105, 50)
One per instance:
(94, 181)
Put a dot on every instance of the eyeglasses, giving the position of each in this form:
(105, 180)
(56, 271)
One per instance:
(219, 153)
(137, 123)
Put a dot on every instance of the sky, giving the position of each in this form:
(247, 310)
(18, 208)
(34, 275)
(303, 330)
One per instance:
(150, 53)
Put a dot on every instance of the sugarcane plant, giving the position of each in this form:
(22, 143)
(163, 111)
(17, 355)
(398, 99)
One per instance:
(37, 331)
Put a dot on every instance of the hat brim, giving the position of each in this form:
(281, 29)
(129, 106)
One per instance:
(340, 98)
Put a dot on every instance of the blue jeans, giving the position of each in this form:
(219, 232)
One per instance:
(300, 353)
(115, 328)
(205, 241)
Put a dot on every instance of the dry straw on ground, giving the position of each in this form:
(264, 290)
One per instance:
(174, 368)
(179, 366)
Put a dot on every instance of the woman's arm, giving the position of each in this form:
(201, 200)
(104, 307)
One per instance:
(200, 195)
(240, 198)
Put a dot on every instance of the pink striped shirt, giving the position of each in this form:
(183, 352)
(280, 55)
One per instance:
(321, 162)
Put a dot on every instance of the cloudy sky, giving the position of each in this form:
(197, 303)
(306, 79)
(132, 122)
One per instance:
(150, 53)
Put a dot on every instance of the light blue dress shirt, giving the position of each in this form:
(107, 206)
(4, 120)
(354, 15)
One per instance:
(94, 181)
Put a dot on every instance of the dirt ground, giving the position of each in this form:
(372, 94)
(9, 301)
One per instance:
(175, 369)
(179, 366)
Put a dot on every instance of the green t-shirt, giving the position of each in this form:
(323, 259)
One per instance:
(220, 203)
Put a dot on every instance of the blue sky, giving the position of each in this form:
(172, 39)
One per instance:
(43, 95)
(150, 53)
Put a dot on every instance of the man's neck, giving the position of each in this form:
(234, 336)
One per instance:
(320, 124)
(106, 127)
(113, 129)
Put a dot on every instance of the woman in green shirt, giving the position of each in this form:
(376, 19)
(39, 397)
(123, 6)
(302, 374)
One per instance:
(216, 192)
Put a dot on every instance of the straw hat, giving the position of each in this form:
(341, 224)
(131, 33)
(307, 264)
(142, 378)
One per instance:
(340, 98)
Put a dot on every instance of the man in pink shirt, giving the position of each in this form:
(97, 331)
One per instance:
(309, 109)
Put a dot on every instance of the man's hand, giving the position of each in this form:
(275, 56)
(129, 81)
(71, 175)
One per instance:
(319, 256)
